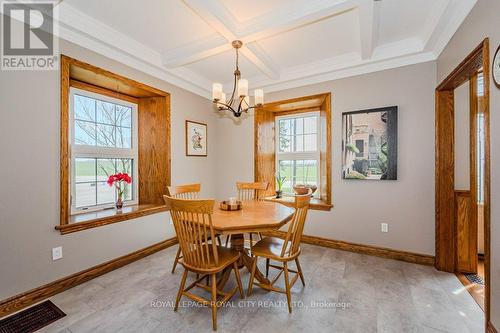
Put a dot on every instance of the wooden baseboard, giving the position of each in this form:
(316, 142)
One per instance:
(415, 258)
(25, 299)
(490, 328)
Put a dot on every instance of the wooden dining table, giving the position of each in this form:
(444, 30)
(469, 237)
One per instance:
(255, 216)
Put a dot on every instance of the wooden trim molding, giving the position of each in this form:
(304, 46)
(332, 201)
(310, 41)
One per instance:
(415, 258)
(153, 147)
(25, 299)
(264, 140)
(100, 218)
(490, 328)
(315, 204)
(446, 231)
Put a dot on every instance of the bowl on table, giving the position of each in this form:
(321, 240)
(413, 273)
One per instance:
(301, 189)
(230, 205)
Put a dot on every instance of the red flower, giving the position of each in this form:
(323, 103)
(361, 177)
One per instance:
(118, 178)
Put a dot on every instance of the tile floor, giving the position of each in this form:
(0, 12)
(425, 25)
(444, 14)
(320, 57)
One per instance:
(345, 292)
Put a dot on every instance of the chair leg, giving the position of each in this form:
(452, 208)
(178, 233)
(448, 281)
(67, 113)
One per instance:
(251, 241)
(181, 289)
(260, 235)
(300, 272)
(218, 240)
(287, 286)
(252, 274)
(227, 240)
(176, 259)
(238, 279)
(267, 267)
(214, 302)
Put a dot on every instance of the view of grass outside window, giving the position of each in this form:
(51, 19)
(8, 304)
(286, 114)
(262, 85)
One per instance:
(103, 143)
(297, 154)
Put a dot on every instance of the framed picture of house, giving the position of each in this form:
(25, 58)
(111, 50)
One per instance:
(196, 138)
(370, 144)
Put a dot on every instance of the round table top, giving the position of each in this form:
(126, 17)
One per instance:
(255, 216)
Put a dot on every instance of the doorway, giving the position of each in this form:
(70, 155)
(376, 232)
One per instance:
(463, 214)
(469, 126)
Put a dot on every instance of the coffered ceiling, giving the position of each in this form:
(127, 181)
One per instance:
(287, 43)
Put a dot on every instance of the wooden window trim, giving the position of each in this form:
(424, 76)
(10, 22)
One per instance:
(264, 144)
(154, 143)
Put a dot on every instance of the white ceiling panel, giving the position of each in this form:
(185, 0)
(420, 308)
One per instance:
(403, 19)
(327, 38)
(244, 10)
(287, 43)
(159, 24)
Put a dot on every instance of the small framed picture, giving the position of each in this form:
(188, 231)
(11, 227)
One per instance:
(196, 138)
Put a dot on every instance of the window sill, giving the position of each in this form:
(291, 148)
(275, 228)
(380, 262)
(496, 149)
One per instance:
(86, 221)
(316, 204)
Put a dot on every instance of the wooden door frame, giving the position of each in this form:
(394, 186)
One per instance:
(446, 250)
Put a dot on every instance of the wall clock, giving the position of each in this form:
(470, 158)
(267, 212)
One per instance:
(496, 68)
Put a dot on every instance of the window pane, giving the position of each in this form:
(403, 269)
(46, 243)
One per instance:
(299, 125)
(85, 194)
(298, 172)
(285, 143)
(106, 136)
(299, 143)
(123, 137)
(311, 172)
(285, 127)
(105, 193)
(310, 124)
(285, 170)
(126, 166)
(106, 113)
(105, 168)
(123, 116)
(84, 170)
(85, 133)
(84, 108)
(310, 142)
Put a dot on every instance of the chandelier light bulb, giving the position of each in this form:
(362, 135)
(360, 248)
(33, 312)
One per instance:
(259, 97)
(216, 91)
(242, 87)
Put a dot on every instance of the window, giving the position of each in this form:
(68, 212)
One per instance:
(298, 149)
(103, 139)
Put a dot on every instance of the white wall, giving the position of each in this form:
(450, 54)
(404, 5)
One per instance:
(482, 22)
(29, 187)
(462, 129)
(360, 206)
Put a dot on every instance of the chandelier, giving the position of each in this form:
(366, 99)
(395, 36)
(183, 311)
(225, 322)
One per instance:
(239, 101)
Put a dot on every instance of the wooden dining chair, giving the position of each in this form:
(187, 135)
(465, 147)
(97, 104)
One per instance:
(283, 251)
(188, 191)
(201, 255)
(250, 191)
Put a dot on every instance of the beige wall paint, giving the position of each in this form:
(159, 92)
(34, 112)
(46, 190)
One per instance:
(462, 126)
(482, 22)
(406, 204)
(29, 190)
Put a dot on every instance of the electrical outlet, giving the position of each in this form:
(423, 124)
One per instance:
(384, 227)
(57, 253)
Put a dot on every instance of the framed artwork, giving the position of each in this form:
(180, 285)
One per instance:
(196, 138)
(370, 144)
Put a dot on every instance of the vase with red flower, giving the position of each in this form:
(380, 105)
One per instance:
(120, 181)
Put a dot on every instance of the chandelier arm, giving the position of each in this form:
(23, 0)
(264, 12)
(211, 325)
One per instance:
(226, 107)
(234, 90)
